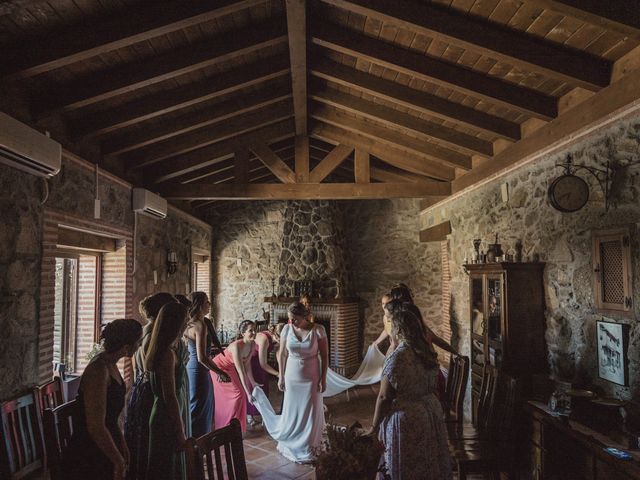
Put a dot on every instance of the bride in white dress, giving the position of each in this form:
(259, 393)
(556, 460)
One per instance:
(303, 361)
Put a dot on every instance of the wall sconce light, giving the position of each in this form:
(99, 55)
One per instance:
(172, 262)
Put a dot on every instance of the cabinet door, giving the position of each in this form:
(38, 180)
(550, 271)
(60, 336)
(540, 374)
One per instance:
(478, 323)
(495, 319)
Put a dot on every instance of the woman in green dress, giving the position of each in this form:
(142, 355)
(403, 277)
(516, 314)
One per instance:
(167, 375)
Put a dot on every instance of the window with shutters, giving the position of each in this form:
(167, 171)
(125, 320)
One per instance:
(612, 271)
(200, 272)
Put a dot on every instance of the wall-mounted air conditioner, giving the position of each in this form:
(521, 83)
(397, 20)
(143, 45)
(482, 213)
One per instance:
(27, 149)
(148, 203)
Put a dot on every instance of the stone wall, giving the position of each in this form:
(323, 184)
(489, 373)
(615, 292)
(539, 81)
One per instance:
(379, 247)
(313, 248)
(562, 240)
(71, 192)
(385, 250)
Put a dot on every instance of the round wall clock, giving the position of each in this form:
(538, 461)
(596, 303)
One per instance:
(568, 193)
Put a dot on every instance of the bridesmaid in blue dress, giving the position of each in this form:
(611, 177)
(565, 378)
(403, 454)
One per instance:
(201, 399)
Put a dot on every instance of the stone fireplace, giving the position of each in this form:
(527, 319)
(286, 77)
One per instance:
(340, 318)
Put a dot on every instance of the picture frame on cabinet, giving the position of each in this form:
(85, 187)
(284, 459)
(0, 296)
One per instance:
(613, 342)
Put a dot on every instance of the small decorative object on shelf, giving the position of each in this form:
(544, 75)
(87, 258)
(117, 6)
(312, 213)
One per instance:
(476, 247)
(518, 251)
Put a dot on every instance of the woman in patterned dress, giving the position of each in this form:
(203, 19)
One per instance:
(408, 415)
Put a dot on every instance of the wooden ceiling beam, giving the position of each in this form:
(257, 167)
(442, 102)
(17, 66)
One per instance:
(415, 99)
(362, 166)
(238, 105)
(302, 154)
(397, 157)
(395, 118)
(586, 117)
(296, 191)
(104, 85)
(206, 156)
(478, 85)
(210, 134)
(241, 166)
(273, 163)
(224, 169)
(297, 28)
(520, 49)
(121, 29)
(613, 15)
(437, 233)
(384, 175)
(428, 151)
(330, 162)
(162, 103)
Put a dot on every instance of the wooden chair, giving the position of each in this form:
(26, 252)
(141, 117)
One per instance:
(50, 395)
(57, 425)
(214, 466)
(493, 452)
(456, 388)
(21, 432)
(469, 431)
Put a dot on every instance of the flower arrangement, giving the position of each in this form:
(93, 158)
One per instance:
(349, 454)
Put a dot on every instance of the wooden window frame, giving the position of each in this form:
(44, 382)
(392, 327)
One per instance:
(623, 235)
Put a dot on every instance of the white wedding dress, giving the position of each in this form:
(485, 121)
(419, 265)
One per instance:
(298, 430)
(370, 371)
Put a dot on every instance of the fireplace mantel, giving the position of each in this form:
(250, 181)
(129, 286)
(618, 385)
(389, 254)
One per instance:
(313, 301)
(341, 319)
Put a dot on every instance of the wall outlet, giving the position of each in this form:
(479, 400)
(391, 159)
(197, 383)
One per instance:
(238, 262)
(96, 209)
(504, 189)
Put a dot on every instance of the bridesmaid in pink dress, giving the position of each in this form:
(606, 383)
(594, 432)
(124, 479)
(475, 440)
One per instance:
(231, 397)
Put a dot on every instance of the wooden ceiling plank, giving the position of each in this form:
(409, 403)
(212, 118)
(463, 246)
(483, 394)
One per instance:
(496, 41)
(297, 28)
(330, 162)
(478, 85)
(238, 105)
(610, 102)
(209, 134)
(452, 138)
(122, 29)
(274, 163)
(429, 151)
(302, 153)
(613, 15)
(437, 233)
(394, 156)
(415, 99)
(296, 191)
(206, 156)
(241, 165)
(104, 85)
(362, 166)
(168, 101)
(383, 175)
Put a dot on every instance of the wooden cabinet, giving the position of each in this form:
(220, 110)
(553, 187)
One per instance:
(507, 320)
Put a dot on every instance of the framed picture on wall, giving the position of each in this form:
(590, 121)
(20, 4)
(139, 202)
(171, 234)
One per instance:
(613, 340)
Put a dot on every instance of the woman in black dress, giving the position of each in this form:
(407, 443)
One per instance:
(97, 449)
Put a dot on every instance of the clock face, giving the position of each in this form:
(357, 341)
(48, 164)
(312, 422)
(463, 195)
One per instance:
(568, 193)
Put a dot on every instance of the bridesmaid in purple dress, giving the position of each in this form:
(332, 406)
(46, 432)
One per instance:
(265, 343)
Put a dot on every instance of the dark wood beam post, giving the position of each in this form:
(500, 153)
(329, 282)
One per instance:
(297, 27)
(274, 163)
(302, 159)
(362, 166)
(329, 163)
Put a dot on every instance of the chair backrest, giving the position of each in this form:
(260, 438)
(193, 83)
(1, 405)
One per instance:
(456, 387)
(50, 395)
(57, 426)
(487, 396)
(21, 435)
(505, 404)
(205, 458)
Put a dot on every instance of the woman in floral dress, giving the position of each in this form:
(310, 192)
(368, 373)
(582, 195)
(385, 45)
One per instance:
(408, 414)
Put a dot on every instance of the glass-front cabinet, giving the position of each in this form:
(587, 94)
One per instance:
(507, 320)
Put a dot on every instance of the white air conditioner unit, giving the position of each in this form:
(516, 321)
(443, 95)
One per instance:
(24, 148)
(148, 203)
